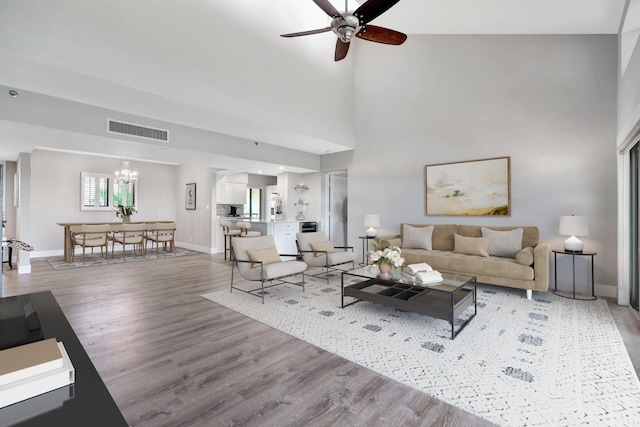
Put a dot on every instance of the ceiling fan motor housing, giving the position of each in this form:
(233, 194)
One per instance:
(345, 27)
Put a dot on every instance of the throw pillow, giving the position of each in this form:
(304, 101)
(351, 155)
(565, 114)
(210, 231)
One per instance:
(503, 243)
(417, 237)
(266, 256)
(470, 245)
(525, 256)
(322, 248)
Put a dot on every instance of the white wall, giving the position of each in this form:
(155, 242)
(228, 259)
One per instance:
(548, 102)
(195, 228)
(55, 195)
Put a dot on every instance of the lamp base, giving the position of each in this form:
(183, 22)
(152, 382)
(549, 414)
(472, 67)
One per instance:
(371, 232)
(573, 244)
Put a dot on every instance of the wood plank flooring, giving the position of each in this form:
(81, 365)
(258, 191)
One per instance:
(171, 358)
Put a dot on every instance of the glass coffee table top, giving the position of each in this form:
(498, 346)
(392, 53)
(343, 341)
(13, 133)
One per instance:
(450, 282)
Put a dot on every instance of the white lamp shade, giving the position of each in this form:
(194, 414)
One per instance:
(573, 226)
(371, 221)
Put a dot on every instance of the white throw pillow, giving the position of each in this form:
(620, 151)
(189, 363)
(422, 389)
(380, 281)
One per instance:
(503, 243)
(417, 237)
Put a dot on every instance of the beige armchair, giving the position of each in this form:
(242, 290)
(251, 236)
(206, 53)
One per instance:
(90, 236)
(257, 259)
(317, 251)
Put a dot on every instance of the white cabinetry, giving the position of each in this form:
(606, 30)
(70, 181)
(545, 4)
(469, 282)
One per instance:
(284, 234)
(235, 193)
(231, 193)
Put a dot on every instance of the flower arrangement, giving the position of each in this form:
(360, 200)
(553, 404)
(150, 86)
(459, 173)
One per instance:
(122, 211)
(391, 255)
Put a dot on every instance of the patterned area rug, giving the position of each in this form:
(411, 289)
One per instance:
(94, 259)
(550, 361)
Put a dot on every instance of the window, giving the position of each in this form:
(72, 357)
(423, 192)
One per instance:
(124, 194)
(94, 191)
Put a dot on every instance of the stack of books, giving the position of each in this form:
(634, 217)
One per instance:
(424, 274)
(33, 369)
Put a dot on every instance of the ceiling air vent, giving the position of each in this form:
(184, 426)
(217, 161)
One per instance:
(137, 130)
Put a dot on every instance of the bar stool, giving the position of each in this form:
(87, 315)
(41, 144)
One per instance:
(244, 226)
(228, 235)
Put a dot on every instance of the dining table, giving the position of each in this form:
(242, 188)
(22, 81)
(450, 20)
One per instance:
(68, 241)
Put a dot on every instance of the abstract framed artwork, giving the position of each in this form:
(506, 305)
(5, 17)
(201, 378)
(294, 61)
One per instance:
(190, 196)
(470, 188)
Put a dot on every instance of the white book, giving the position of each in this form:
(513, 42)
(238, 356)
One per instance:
(38, 384)
(428, 277)
(26, 360)
(420, 267)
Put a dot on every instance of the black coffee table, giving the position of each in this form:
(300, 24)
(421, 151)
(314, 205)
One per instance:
(445, 300)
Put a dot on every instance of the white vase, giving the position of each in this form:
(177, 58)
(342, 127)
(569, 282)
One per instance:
(126, 218)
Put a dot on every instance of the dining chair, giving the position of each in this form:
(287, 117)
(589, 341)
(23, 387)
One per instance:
(129, 234)
(161, 233)
(90, 236)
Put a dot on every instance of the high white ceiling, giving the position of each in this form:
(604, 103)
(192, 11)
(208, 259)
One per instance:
(220, 66)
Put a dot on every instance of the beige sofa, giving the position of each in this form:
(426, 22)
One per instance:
(452, 248)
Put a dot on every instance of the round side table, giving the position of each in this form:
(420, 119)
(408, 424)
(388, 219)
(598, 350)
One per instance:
(573, 254)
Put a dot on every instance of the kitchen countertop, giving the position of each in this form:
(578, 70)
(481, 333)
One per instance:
(244, 218)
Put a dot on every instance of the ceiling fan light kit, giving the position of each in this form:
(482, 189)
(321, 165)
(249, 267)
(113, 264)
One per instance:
(345, 25)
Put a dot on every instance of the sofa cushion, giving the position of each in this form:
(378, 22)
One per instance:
(471, 245)
(525, 256)
(503, 243)
(417, 237)
(530, 235)
(322, 248)
(489, 267)
(442, 237)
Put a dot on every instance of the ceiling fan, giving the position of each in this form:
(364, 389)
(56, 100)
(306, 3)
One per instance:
(346, 24)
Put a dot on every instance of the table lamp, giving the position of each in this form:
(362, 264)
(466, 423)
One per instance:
(371, 220)
(573, 226)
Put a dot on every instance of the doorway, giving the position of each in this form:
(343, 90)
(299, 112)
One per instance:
(634, 227)
(336, 212)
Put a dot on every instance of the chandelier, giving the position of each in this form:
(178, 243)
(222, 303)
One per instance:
(125, 176)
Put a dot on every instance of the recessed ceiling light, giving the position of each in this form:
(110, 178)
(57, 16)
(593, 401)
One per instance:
(13, 93)
(281, 168)
(259, 171)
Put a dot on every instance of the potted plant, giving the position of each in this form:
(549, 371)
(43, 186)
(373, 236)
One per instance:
(125, 212)
(386, 258)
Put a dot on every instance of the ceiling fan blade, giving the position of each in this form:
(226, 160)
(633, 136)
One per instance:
(307, 33)
(372, 9)
(341, 50)
(328, 8)
(381, 35)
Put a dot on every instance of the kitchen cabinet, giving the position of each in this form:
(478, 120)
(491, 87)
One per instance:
(284, 234)
(231, 193)
(235, 193)
(231, 190)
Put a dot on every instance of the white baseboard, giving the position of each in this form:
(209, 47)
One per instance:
(606, 291)
(24, 269)
(196, 248)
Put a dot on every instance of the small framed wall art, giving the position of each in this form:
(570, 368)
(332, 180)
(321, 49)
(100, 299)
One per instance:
(190, 196)
(475, 187)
